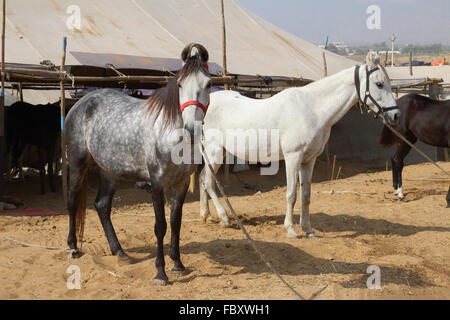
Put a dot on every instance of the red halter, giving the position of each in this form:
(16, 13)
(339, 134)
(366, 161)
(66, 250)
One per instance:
(196, 103)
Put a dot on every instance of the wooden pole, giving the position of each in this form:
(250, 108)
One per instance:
(410, 64)
(63, 116)
(325, 69)
(339, 173)
(332, 169)
(224, 42)
(2, 99)
(20, 92)
(224, 70)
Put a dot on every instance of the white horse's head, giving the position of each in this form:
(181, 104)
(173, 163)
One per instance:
(194, 86)
(376, 90)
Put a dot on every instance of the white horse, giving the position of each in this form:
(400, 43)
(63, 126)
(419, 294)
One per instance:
(304, 117)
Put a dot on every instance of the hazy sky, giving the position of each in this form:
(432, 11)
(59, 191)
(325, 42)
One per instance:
(413, 21)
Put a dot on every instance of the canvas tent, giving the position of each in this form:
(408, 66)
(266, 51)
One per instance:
(151, 34)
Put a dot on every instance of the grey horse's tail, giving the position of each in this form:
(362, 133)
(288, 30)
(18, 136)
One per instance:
(80, 215)
(387, 138)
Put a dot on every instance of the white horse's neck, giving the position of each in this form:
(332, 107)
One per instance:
(334, 96)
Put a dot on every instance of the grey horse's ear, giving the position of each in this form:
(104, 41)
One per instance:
(195, 49)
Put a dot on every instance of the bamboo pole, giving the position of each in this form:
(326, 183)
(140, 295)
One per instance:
(332, 170)
(2, 98)
(20, 92)
(63, 116)
(224, 42)
(410, 64)
(325, 69)
(339, 173)
(325, 73)
(224, 70)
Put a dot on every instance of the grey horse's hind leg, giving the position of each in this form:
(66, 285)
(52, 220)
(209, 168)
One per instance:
(161, 278)
(176, 205)
(448, 198)
(75, 199)
(103, 204)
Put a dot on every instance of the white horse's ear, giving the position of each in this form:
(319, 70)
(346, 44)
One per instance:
(372, 59)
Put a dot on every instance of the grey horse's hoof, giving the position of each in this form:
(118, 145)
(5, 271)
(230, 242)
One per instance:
(179, 272)
(74, 254)
(311, 235)
(160, 282)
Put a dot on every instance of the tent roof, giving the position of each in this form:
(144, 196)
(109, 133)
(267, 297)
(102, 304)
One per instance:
(146, 29)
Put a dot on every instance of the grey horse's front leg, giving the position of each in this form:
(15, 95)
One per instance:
(161, 278)
(177, 198)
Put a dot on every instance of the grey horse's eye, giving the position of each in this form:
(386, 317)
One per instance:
(380, 85)
(209, 85)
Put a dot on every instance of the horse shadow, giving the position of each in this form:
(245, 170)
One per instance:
(292, 261)
(346, 223)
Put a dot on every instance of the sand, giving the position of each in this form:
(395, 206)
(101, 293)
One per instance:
(358, 225)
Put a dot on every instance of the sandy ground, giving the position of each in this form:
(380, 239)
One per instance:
(408, 240)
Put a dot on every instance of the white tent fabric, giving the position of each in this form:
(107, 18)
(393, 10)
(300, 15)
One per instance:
(154, 28)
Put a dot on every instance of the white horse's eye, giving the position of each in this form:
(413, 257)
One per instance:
(380, 85)
(209, 85)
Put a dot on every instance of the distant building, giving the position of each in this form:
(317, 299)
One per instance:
(340, 46)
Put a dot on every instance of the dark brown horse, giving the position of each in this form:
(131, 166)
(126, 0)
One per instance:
(33, 125)
(421, 119)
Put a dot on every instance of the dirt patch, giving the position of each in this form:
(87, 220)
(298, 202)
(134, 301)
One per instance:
(409, 241)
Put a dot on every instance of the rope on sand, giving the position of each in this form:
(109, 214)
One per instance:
(151, 215)
(344, 192)
(32, 245)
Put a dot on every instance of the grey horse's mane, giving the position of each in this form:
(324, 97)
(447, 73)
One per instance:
(165, 102)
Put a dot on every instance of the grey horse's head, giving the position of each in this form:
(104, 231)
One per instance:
(194, 87)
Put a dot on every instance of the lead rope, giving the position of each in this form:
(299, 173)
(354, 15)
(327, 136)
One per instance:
(252, 242)
(398, 134)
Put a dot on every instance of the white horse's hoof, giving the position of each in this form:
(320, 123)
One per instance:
(224, 224)
(291, 234)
